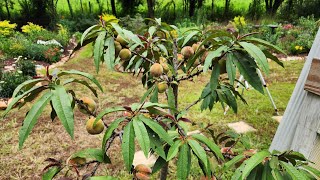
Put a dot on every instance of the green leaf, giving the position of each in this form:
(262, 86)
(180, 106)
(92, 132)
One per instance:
(199, 151)
(183, 163)
(62, 105)
(109, 56)
(85, 33)
(30, 83)
(160, 162)
(210, 144)
(277, 175)
(214, 78)
(146, 94)
(86, 75)
(257, 54)
(90, 153)
(49, 175)
(109, 132)
(103, 178)
(171, 98)
(253, 162)
(154, 96)
(265, 43)
(212, 55)
(151, 30)
(32, 117)
(233, 161)
(156, 144)
(163, 49)
(107, 111)
(293, 172)
(98, 49)
(18, 98)
(128, 145)
(173, 151)
(231, 68)
(141, 135)
(189, 36)
(157, 129)
(312, 170)
(85, 83)
(249, 72)
(272, 57)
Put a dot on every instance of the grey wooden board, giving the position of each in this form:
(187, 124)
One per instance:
(315, 154)
(309, 122)
(284, 137)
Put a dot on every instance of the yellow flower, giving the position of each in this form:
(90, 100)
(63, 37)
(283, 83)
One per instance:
(297, 47)
(108, 18)
(30, 27)
(301, 48)
(6, 28)
(174, 33)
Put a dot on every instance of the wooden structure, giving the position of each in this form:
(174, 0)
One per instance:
(299, 129)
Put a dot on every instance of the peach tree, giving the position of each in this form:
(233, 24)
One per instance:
(163, 59)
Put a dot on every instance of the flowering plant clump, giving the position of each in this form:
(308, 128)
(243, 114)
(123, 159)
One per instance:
(52, 54)
(239, 21)
(30, 28)
(6, 28)
(287, 26)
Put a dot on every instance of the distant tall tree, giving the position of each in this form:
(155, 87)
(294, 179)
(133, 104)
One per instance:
(227, 7)
(150, 8)
(7, 8)
(272, 6)
(193, 4)
(129, 6)
(113, 7)
(70, 8)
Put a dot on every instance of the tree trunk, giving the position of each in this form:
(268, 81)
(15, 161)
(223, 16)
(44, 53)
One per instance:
(113, 7)
(81, 6)
(70, 8)
(226, 8)
(150, 8)
(192, 7)
(272, 6)
(7, 8)
(212, 9)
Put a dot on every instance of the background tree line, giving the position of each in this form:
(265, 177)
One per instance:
(47, 12)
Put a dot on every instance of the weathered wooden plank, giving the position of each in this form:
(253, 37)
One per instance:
(284, 137)
(313, 79)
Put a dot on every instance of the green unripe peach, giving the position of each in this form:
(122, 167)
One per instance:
(125, 54)
(122, 41)
(97, 129)
(156, 70)
(89, 103)
(162, 87)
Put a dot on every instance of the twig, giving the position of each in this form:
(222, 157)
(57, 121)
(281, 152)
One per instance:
(144, 58)
(190, 75)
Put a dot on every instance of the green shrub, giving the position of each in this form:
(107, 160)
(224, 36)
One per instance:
(27, 67)
(9, 81)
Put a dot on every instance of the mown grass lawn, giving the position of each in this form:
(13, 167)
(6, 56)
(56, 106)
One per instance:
(49, 139)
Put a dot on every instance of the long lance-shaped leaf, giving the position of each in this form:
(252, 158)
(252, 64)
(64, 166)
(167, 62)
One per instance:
(211, 55)
(91, 153)
(32, 117)
(173, 151)
(85, 83)
(98, 49)
(293, 172)
(18, 98)
(157, 129)
(141, 135)
(265, 43)
(233, 161)
(214, 78)
(107, 111)
(210, 144)
(257, 54)
(183, 161)
(272, 57)
(127, 145)
(30, 83)
(312, 170)
(189, 36)
(62, 105)
(85, 33)
(253, 162)
(231, 68)
(248, 71)
(109, 132)
(51, 173)
(199, 151)
(109, 56)
(86, 75)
